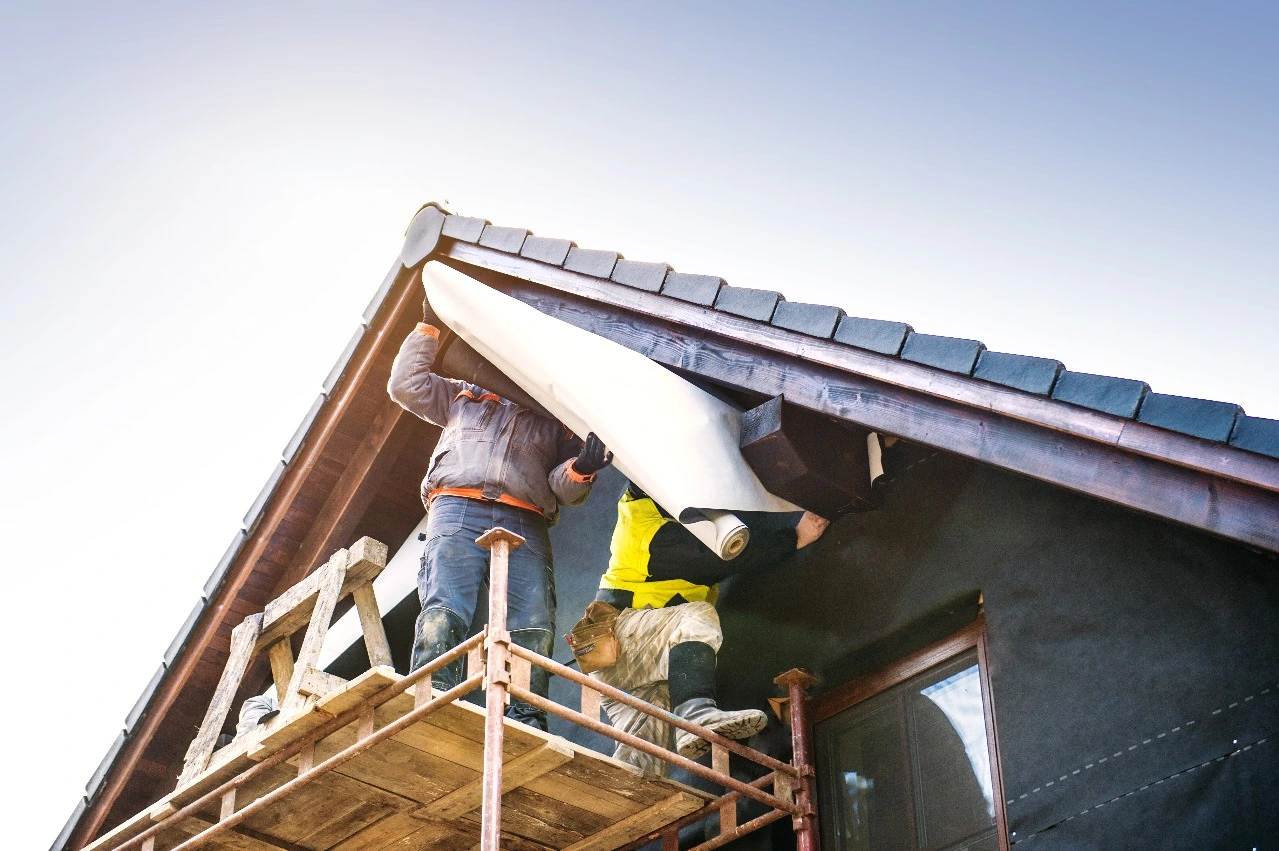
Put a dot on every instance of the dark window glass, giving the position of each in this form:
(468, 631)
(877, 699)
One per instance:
(909, 768)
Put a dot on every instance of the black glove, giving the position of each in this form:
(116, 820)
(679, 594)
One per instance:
(593, 456)
(430, 317)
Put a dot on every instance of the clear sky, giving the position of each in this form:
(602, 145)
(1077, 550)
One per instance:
(198, 201)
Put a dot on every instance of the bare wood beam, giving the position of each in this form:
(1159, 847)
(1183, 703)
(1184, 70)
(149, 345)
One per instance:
(293, 609)
(354, 491)
(515, 773)
(332, 577)
(375, 641)
(1078, 449)
(243, 638)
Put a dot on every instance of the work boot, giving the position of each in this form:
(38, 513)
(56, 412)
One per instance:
(436, 632)
(731, 724)
(691, 679)
(539, 641)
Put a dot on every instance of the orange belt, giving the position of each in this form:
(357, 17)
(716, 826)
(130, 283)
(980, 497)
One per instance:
(476, 493)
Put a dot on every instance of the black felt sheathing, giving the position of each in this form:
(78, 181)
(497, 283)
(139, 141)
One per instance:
(1108, 633)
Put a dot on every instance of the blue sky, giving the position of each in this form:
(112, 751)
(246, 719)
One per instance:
(198, 202)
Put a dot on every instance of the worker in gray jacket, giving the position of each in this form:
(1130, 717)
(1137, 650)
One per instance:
(496, 464)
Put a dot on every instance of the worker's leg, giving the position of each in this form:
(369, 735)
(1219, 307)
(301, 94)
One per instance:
(448, 584)
(691, 679)
(643, 725)
(530, 614)
(645, 638)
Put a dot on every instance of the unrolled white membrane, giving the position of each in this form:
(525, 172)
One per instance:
(675, 440)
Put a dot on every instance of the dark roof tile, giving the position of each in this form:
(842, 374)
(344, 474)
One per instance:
(953, 354)
(748, 303)
(1198, 417)
(1034, 375)
(179, 640)
(140, 705)
(815, 320)
(465, 228)
(254, 514)
(876, 335)
(100, 773)
(544, 249)
(640, 275)
(215, 578)
(375, 303)
(591, 261)
(299, 435)
(1119, 396)
(509, 240)
(331, 380)
(1257, 434)
(422, 235)
(65, 834)
(698, 289)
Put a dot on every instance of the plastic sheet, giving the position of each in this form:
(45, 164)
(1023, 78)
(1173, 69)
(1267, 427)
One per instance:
(676, 441)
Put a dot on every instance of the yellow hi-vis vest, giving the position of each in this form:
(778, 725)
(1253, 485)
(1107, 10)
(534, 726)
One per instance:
(637, 522)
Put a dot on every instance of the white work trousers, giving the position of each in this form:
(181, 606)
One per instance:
(645, 636)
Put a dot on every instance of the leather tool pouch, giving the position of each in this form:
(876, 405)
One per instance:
(592, 640)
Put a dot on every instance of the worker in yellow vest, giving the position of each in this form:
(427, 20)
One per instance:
(663, 581)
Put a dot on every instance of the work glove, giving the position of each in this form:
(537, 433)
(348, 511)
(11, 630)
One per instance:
(593, 457)
(430, 317)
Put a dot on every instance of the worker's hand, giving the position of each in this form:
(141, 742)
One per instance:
(809, 529)
(593, 456)
(429, 316)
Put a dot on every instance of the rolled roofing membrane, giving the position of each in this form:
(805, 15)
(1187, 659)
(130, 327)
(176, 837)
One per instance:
(673, 439)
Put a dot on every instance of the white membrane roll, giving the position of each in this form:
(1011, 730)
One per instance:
(675, 440)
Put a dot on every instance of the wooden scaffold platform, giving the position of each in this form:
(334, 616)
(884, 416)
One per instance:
(385, 761)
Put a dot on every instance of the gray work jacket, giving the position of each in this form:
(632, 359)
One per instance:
(489, 444)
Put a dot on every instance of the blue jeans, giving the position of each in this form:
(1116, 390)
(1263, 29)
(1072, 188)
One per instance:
(454, 573)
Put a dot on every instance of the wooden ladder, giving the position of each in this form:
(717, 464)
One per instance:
(310, 603)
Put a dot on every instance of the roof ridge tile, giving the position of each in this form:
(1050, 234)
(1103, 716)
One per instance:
(953, 354)
(640, 274)
(592, 261)
(875, 335)
(815, 320)
(1204, 418)
(748, 303)
(1023, 372)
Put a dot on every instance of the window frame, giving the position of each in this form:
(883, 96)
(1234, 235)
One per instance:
(973, 636)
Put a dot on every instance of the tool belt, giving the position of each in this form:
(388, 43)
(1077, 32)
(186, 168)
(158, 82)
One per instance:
(592, 640)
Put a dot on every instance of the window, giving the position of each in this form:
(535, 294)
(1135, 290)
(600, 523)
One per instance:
(906, 757)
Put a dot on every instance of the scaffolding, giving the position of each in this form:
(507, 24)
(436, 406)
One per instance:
(386, 761)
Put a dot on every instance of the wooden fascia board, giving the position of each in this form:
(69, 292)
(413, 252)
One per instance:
(1209, 486)
(405, 293)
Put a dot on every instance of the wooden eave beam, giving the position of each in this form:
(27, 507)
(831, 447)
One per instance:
(353, 493)
(404, 294)
(1206, 485)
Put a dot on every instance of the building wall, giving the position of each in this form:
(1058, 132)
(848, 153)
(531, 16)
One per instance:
(1141, 655)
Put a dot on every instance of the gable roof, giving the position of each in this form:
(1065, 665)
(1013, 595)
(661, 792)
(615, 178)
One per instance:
(348, 469)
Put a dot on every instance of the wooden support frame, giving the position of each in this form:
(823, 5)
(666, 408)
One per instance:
(662, 818)
(310, 604)
(1202, 484)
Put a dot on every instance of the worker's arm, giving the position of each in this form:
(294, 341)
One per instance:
(675, 553)
(571, 481)
(414, 386)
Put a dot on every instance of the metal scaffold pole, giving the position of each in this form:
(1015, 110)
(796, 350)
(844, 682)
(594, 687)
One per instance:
(497, 680)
